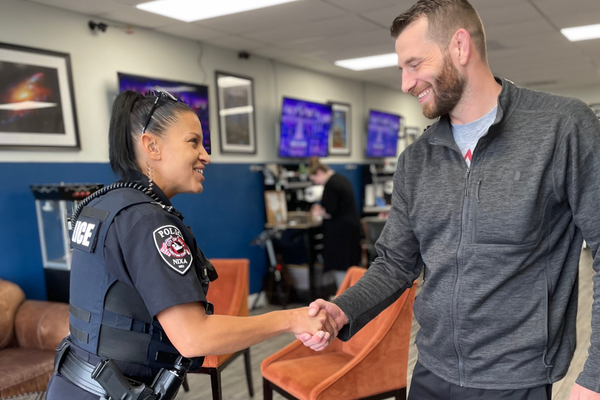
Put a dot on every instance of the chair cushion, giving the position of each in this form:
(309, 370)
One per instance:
(215, 361)
(24, 371)
(41, 324)
(301, 375)
(11, 297)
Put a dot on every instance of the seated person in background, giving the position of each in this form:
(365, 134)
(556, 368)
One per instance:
(341, 225)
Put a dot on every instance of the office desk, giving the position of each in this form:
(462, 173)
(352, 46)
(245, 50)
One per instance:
(311, 231)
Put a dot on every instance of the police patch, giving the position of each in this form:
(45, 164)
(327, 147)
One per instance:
(173, 249)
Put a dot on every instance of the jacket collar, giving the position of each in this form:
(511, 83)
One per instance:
(442, 134)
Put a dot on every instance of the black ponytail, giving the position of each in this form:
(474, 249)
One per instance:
(120, 144)
(129, 113)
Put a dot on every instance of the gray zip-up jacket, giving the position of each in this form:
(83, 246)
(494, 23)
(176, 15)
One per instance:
(501, 242)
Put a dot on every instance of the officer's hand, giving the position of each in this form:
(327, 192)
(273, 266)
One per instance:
(580, 393)
(320, 326)
(317, 342)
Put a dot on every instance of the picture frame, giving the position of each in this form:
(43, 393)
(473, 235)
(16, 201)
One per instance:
(37, 100)
(236, 112)
(411, 133)
(340, 134)
(276, 207)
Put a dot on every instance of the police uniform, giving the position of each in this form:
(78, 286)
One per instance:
(132, 258)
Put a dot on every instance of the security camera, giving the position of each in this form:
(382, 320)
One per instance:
(244, 54)
(101, 26)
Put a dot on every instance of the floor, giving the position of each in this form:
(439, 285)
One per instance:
(234, 381)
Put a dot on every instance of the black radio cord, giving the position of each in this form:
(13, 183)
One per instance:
(121, 185)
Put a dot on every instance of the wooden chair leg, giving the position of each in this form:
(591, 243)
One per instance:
(267, 390)
(186, 386)
(215, 383)
(401, 394)
(249, 372)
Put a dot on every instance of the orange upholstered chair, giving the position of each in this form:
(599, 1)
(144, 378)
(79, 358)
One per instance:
(229, 295)
(371, 365)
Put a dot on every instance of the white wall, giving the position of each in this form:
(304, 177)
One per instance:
(589, 95)
(97, 57)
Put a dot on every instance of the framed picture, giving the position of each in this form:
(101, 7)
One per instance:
(37, 103)
(192, 94)
(276, 207)
(340, 133)
(411, 133)
(235, 99)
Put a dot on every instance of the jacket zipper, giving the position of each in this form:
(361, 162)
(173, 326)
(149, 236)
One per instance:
(461, 373)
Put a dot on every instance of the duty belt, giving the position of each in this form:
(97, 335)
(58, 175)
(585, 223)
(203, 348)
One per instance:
(78, 371)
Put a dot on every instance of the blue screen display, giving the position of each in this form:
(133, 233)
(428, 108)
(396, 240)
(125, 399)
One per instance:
(382, 134)
(304, 129)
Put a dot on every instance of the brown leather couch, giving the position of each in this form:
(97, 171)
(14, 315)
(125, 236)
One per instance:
(30, 330)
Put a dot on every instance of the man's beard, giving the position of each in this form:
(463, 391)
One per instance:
(448, 90)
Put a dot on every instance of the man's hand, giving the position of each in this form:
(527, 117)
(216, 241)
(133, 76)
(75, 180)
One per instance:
(580, 393)
(318, 341)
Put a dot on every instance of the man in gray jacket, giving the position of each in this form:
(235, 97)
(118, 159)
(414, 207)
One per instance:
(495, 198)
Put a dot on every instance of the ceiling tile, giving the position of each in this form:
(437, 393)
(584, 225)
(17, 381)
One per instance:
(236, 43)
(365, 6)
(574, 18)
(334, 48)
(88, 7)
(508, 14)
(132, 2)
(561, 7)
(191, 31)
(518, 30)
(289, 14)
(536, 40)
(480, 5)
(137, 17)
(288, 34)
(385, 16)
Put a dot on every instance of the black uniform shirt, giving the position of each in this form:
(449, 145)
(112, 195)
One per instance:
(144, 250)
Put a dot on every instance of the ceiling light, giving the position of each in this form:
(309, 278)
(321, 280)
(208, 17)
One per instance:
(582, 32)
(363, 63)
(194, 10)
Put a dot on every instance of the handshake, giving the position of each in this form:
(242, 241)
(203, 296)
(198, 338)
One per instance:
(317, 325)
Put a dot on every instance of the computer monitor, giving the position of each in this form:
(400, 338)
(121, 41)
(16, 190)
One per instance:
(304, 128)
(382, 134)
(194, 95)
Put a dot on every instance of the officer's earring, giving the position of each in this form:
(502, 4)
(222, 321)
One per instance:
(150, 178)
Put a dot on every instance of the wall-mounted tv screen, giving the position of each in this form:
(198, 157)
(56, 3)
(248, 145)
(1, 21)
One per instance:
(382, 134)
(304, 128)
(194, 95)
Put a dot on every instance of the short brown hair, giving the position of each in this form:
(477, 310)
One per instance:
(318, 167)
(445, 17)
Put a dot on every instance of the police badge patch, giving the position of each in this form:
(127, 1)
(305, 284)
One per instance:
(173, 249)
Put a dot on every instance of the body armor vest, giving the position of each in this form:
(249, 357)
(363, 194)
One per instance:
(108, 318)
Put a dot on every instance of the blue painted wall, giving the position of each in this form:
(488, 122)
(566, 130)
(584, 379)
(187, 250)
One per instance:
(224, 218)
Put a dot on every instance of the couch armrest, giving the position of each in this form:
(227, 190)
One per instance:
(41, 324)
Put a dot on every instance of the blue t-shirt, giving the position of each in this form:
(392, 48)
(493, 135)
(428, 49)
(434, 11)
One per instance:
(466, 136)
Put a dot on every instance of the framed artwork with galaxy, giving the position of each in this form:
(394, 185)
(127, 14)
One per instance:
(37, 103)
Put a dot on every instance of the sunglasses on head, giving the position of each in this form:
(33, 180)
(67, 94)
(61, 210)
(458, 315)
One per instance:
(159, 94)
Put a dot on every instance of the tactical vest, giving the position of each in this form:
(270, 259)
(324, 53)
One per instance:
(107, 317)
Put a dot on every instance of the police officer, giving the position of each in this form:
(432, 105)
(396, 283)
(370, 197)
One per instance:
(138, 279)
